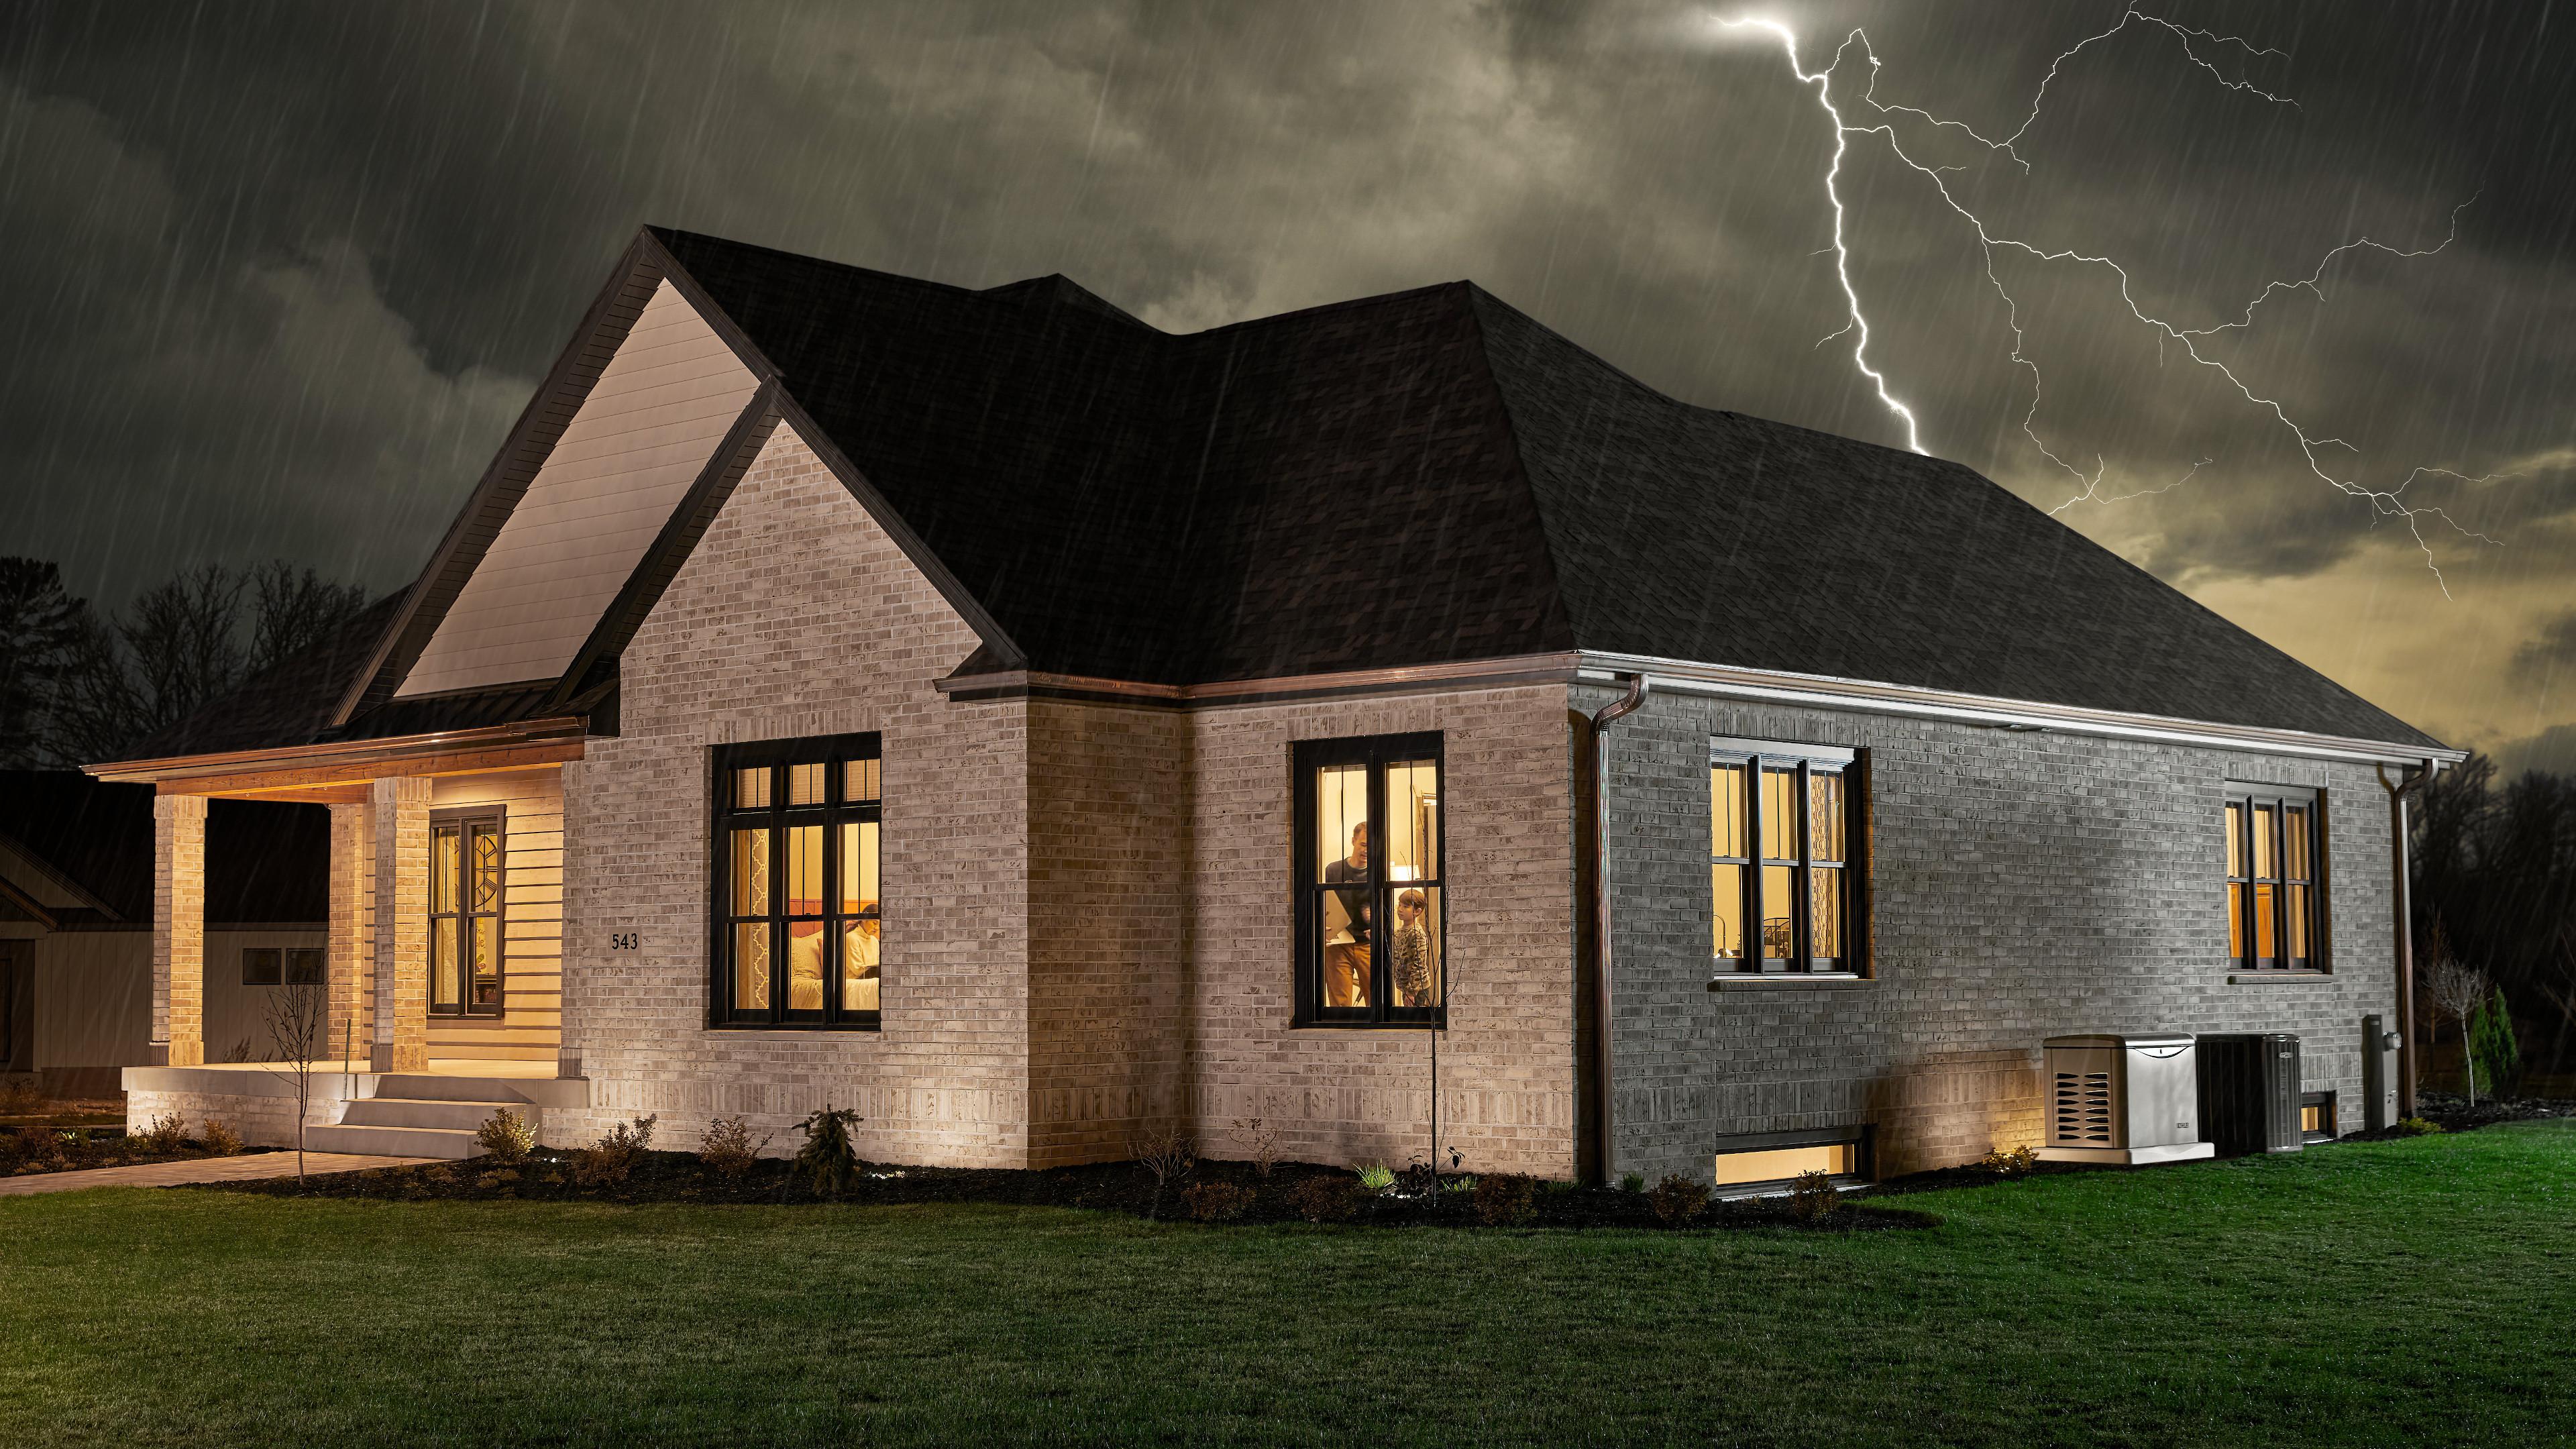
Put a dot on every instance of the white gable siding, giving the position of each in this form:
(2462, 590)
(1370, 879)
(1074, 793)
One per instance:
(641, 437)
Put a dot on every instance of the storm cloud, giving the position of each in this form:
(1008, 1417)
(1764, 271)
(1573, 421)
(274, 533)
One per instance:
(281, 275)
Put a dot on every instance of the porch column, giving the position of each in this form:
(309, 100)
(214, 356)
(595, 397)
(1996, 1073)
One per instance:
(352, 942)
(178, 930)
(401, 810)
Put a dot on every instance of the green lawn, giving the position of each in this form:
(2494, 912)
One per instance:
(2396, 1293)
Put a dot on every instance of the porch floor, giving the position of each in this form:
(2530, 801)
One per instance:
(438, 1067)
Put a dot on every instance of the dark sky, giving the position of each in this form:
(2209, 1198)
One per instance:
(278, 276)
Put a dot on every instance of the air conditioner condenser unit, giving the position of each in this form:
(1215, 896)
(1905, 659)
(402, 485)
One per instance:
(2121, 1099)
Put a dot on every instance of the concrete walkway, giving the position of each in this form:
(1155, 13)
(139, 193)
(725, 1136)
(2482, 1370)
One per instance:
(204, 1169)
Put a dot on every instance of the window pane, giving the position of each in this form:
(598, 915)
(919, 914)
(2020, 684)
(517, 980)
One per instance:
(1826, 922)
(751, 967)
(1341, 823)
(487, 870)
(2264, 947)
(1777, 905)
(1348, 975)
(751, 788)
(259, 966)
(1726, 810)
(1825, 817)
(751, 872)
(2294, 829)
(443, 989)
(858, 867)
(487, 961)
(2236, 840)
(805, 941)
(2294, 919)
(859, 780)
(859, 965)
(2236, 920)
(1779, 816)
(2266, 823)
(1413, 946)
(805, 871)
(1726, 888)
(805, 784)
(442, 869)
(304, 966)
(1413, 820)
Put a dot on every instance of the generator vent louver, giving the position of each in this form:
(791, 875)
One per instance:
(2083, 1107)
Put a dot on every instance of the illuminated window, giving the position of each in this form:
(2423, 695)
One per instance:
(2275, 845)
(2317, 1117)
(1776, 1158)
(466, 861)
(1371, 900)
(799, 907)
(1782, 869)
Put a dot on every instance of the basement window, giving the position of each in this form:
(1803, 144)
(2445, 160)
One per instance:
(2275, 879)
(1758, 1162)
(1369, 882)
(798, 893)
(2317, 1117)
(1787, 868)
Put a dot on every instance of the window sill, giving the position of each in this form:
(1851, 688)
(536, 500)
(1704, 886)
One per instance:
(836, 1028)
(2266, 978)
(1788, 981)
(1368, 1026)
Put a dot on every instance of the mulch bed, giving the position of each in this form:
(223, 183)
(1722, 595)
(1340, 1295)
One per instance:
(28, 1150)
(665, 1177)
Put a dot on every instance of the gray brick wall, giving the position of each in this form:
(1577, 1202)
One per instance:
(2027, 884)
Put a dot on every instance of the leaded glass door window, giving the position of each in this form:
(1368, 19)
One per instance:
(467, 861)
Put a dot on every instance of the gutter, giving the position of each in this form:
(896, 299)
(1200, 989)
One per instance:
(1604, 1121)
(2402, 909)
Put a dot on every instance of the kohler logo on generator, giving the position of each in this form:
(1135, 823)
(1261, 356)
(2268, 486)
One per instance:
(2122, 1099)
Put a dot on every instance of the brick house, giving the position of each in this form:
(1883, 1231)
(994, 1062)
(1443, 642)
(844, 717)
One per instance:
(1030, 728)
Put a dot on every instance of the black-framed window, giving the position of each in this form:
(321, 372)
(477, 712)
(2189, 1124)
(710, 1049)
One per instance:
(1786, 882)
(2275, 879)
(283, 965)
(1371, 897)
(798, 898)
(2316, 1116)
(467, 860)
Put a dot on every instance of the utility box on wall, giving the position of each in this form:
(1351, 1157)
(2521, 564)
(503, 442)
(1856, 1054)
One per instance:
(2249, 1092)
(2121, 1099)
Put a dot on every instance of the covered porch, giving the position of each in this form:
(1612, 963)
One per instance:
(443, 970)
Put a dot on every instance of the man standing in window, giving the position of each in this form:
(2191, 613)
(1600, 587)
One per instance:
(1346, 942)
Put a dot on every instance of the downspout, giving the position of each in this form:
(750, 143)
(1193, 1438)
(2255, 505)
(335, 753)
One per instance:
(1608, 715)
(2404, 911)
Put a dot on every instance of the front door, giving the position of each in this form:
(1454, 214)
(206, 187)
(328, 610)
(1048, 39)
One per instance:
(465, 895)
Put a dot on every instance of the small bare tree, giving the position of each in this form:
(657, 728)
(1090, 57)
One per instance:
(298, 1015)
(2457, 990)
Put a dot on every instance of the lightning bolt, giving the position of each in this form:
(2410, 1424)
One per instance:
(2384, 503)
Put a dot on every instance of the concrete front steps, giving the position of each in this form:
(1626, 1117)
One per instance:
(413, 1114)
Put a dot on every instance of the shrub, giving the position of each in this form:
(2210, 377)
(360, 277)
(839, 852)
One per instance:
(2019, 1162)
(2417, 1127)
(608, 1162)
(829, 1161)
(506, 1137)
(1505, 1199)
(168, 1133)
(1216, 1202)
(1168, 1153)
(1329, 1199)
(220, 1138)
(1632, 1182)
(1677, 1199)
(1812, 1197)
(1419, 1179)
(1377, 1178)
(726, 1147)
(2494, 1052)
(1260, 1141)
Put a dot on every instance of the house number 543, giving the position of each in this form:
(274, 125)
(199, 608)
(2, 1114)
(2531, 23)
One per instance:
(622, 941)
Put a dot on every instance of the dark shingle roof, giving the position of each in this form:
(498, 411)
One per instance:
(1420, 478)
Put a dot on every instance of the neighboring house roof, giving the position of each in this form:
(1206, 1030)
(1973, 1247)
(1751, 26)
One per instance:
(1428, 477)
(265, 862)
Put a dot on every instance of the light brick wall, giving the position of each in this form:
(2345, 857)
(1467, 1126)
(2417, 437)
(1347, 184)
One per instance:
(179, 929)
(352, 943)
(2027, 885)
(400, 809)
(262, 1113)
(1344, 1096)
(796, 616)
